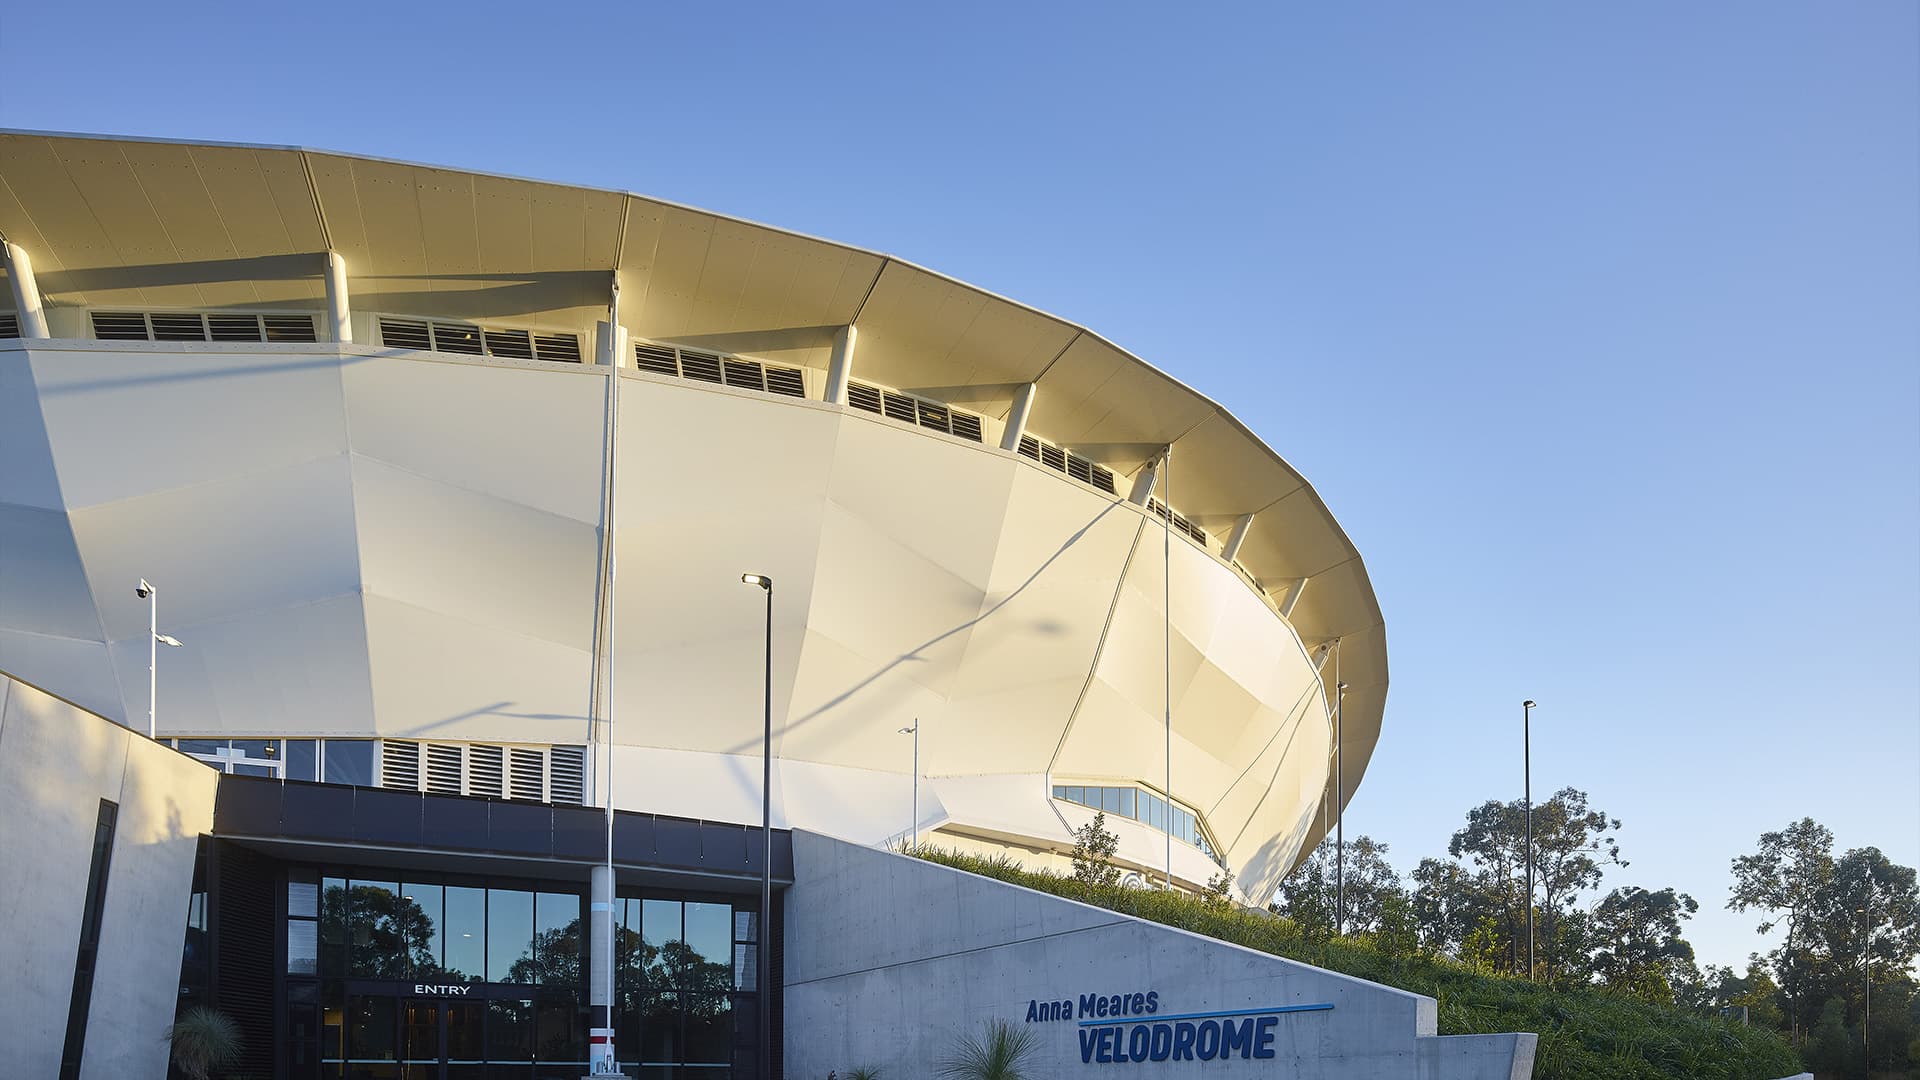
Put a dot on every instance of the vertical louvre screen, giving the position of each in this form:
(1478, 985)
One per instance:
(443, 769)
(486, 771)
(527, 774)
(569, 772)
(400, 765)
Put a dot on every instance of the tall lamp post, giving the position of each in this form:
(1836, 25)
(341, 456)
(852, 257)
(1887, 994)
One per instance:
(1526, 765)
(1340, 811)
(766, 834)
(155, 639)
(915, 820)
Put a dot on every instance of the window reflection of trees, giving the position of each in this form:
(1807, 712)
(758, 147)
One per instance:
(382, 934)
(372, 930)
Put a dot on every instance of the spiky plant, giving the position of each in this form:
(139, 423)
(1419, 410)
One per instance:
(203, 1040)
(863, 1072)
(1001, 1052)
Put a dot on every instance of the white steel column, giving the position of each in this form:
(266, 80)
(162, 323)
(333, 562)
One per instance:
(601, 1052)
(26, 293)
(1237, 537)
(1294, 589)
(840, 366)
(609, 337)
(1144, 481)
(1017, 417)
(339, 315)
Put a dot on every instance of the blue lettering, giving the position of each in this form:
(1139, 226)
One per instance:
(1116, 1005)
(1137, 1042)
(1236, 1036)
(1063, 1010)
(1162, 1042)
(1100, 1007)
(1153, 1001)
(1086, 1006)
(1137, 1003)
(1183, 1041)
(1033, 1012)
(1104, 1052)
(1208, 1044)
(1263, 1042)
(1089, 1038)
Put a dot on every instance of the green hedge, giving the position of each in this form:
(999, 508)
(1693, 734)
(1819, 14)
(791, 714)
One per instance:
(1585, 1033)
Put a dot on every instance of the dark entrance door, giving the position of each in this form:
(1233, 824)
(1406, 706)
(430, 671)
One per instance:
(422, 1039)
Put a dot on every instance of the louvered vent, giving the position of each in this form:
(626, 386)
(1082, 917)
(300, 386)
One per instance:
(967, 426)
(486, 771)
(1072, 464)
(698, 365)
(513, 344)
(655, 358)
(120, 326)
(9, 325)
(458, 338)
(785, 380)
(527, 774)
(443, 769)
(178, 326)
(400, 765)
(294, 329)
(935, 417)
(734, 371)
(233, 327)
(569, 774)
(899, 407)
(1180, 524)
(559, 348)
(862, 396)
(405, 334)
(744, 373)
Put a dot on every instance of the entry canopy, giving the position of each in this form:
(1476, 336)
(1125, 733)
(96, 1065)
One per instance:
(143, 224)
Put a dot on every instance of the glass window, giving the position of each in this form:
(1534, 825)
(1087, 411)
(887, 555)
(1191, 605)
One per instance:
(463, 931)
(1126, 802)
(1059, 791)
(556, 938)
(425, 905)
(509, 936)
(349, 761)
(303, 947)
(558, 1035)
(244, 769)
(258, 749)
(660, 1036)
(744, 922)
(208, 747)
(1156, 811)
(303, 897)
(1110, 800)
(709, 1029)
(302, 757)
(1077, 794)
(377, 929)
(709, 942)
(370, 1028)
(509, 1030)
(746, 969)
(336, 921)
(659, 940)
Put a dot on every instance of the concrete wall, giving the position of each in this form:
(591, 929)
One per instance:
(56, 763)
(889, 960)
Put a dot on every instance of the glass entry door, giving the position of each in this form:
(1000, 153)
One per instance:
(422, 1039)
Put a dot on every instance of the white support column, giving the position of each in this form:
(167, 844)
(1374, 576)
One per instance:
(1237, 537)
(1017, 417)
(26, 293)
(840, 366)
(601, 1052)
(1294, 589)
(1144, 481)
(339, 313)
(610, 345)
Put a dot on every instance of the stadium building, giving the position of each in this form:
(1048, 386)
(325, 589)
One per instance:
(445, 485)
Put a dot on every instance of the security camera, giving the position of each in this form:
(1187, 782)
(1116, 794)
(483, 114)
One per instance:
(143, 590)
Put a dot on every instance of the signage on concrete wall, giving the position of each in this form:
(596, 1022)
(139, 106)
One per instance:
(1130, 1028)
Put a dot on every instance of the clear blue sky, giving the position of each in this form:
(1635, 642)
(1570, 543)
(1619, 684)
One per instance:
(1598, 326)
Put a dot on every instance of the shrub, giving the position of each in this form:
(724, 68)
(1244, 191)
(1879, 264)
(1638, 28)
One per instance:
(203, 1041)
(1001, 1052)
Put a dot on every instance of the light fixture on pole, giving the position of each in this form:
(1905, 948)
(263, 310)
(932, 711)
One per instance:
(1340, 810)
(1526, 757)
(155, 639)
(915, 732)
(764, 989)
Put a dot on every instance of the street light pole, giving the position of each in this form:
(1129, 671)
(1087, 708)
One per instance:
(761, 982)
(1340, 808)
(1526, 757)
(155, 639)
(915, 820)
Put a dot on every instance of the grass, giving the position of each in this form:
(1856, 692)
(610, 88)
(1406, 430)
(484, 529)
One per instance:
(1585, 1033)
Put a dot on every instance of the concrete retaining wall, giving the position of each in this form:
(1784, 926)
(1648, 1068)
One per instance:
(56, 763)
(889, 960)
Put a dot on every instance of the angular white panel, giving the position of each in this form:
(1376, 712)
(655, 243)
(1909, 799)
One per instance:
(28, 478)
(43, 587)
